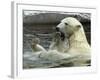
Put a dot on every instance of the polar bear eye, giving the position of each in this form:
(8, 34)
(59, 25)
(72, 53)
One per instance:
(66, 23)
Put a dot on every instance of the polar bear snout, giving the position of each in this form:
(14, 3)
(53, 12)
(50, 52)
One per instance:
(62, 35)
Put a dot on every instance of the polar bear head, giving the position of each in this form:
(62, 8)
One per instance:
(68, 26)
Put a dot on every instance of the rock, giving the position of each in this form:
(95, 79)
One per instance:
(47, 17)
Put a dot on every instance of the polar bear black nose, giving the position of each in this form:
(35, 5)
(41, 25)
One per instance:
(57, 28)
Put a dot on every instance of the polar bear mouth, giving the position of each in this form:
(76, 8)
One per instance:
(62, 35)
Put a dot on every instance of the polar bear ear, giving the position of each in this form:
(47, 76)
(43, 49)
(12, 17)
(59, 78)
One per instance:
(78, 26)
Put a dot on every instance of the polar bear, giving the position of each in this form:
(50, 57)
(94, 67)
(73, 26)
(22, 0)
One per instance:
(77, 50)
(73, 30)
